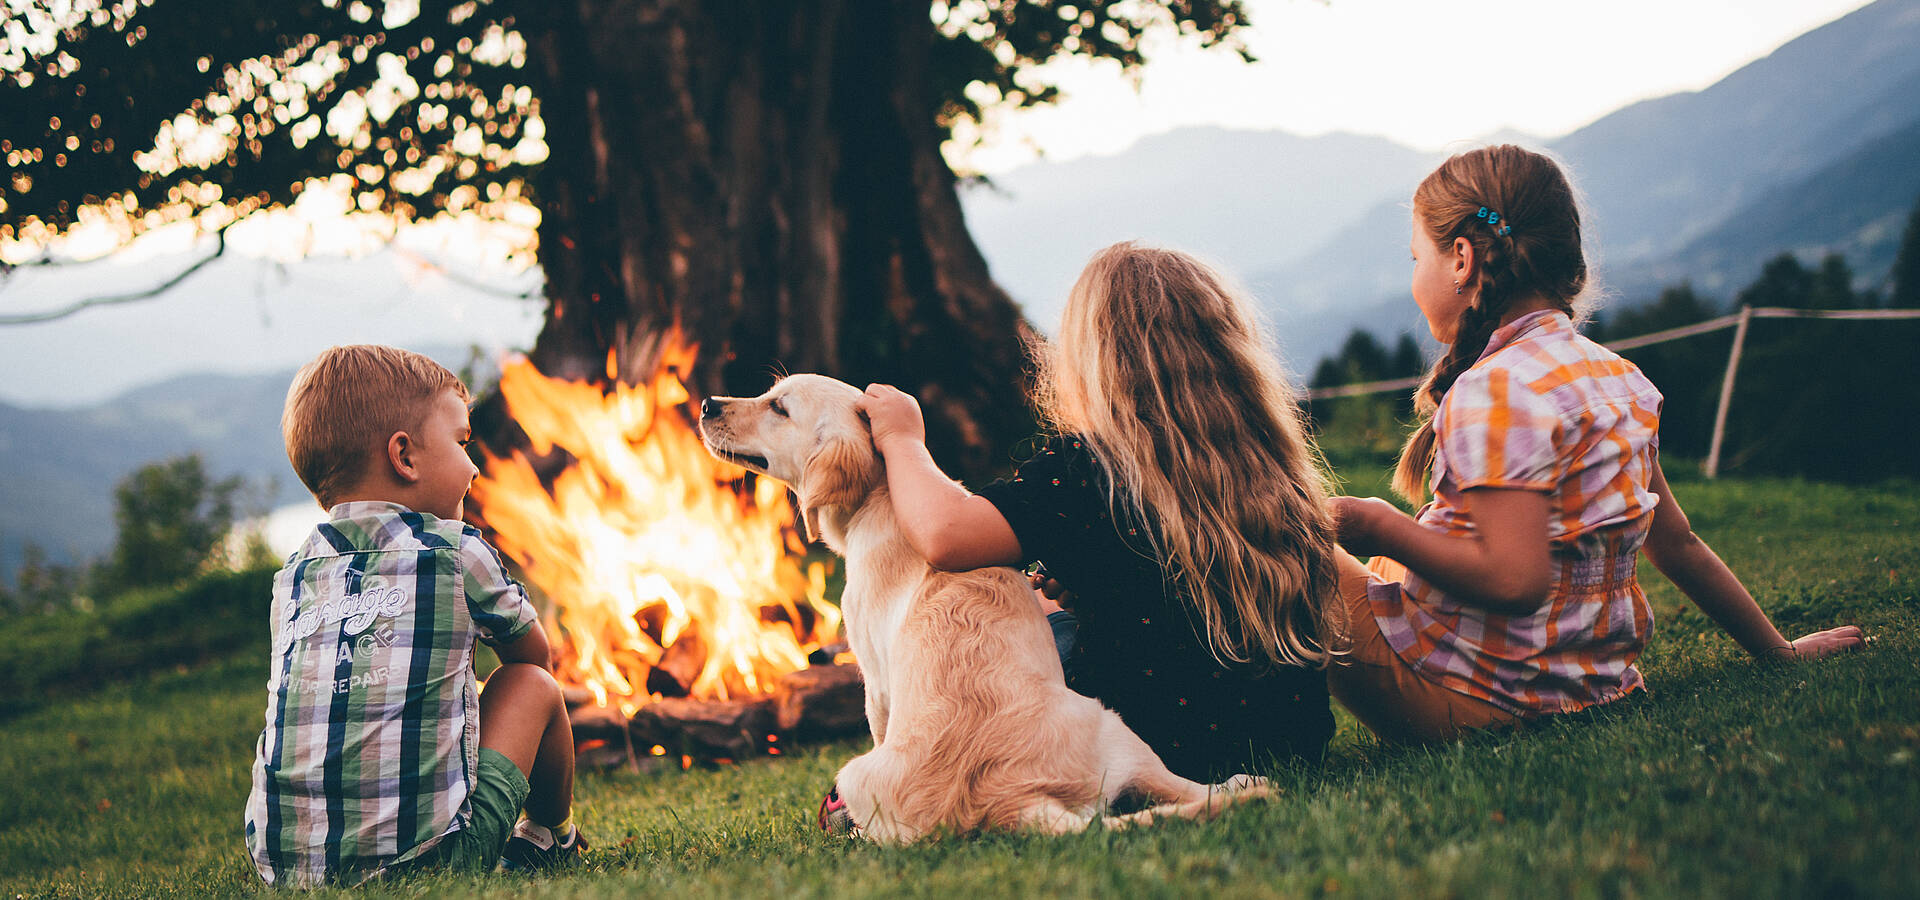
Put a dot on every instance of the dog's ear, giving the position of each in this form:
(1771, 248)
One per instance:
(842, 474)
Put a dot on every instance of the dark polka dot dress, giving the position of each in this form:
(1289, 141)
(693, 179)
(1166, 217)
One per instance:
(1138, 651)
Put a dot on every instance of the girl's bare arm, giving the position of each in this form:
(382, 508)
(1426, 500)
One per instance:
(1699, 573)
(949, 525)
(1503, 566)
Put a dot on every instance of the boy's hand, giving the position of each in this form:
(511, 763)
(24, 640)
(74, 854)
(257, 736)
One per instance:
(893, 415)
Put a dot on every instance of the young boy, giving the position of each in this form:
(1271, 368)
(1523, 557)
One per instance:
(377, 754)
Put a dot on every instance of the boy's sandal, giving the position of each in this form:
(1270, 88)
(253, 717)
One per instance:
(534, 848)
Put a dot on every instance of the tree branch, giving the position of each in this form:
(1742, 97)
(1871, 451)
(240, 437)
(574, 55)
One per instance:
(220, 248)
(457, 277)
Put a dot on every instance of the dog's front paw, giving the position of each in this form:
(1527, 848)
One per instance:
(835, 818)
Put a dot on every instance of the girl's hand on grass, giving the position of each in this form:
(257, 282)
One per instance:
(1821, 644)
(1357, 522)
(892, 414)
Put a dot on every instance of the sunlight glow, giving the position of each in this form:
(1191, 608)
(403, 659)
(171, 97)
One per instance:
(1380, 67)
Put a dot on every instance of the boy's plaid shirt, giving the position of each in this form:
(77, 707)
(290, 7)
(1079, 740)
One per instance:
(1543, 409)
(371, 741)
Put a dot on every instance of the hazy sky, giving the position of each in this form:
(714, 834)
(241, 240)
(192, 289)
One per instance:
(248, 312)
(1423, 72)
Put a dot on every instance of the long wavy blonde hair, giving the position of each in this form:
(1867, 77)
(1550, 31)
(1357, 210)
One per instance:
(1161, 369)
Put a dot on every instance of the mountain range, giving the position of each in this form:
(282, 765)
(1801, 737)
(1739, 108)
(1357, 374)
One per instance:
(1248, 201)
(1812, 149)
(61, 465)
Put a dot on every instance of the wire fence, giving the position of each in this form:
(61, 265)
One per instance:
(1737, 321)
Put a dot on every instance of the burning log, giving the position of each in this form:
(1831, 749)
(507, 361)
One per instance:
(600, 737)
(705, 729)
(814, 704)
(679, 666)
(822, 702)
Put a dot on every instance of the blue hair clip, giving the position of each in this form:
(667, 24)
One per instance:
(1493, 218)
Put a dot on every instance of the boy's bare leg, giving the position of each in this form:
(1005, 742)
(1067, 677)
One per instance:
(524, 718)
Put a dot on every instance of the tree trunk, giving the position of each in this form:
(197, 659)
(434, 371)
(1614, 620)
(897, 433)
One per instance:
(768, 176)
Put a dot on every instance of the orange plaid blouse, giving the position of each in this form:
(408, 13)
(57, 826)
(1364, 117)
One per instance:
(1543, 409)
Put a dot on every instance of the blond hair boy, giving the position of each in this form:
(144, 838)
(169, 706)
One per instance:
(379, 753)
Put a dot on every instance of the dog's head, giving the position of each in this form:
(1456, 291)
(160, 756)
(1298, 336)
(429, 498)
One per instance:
(806, 432)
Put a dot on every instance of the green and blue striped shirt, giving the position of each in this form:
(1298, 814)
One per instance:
(371, 742)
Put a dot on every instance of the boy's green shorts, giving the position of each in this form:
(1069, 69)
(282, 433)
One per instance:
(498, 794)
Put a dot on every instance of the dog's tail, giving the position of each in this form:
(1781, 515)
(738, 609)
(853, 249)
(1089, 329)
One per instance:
(1218, 798)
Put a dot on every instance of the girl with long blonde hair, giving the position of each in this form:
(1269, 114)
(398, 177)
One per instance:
(1176, 496)
(1513, 594)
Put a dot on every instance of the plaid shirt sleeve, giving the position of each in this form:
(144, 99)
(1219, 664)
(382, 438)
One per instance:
(498, 604)
(1499, 432)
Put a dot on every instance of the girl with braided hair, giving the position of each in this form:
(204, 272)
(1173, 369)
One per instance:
(1512, 593)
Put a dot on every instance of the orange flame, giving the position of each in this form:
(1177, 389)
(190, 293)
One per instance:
(646, 539)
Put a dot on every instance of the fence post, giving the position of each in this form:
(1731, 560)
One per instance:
(1712, 468)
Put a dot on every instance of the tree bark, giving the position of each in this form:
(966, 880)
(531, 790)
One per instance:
(767, 176)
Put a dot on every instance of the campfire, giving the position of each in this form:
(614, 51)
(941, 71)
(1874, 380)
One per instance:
(673, 584)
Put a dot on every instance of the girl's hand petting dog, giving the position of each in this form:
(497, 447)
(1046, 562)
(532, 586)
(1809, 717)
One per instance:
(893, 415)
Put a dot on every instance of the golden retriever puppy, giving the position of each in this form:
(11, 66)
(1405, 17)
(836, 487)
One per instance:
(973, 723)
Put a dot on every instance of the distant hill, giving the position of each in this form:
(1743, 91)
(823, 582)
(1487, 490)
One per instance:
(1663, 172)
(1247, 200)
(1359, 278)
(60, 466)
(1856, 207)
(1810, 149)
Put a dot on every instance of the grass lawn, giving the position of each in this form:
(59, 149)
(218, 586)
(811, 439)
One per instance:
(1729, 779)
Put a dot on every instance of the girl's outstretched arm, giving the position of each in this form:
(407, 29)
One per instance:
(1699, 573)
(946, 523)
(1503, 566)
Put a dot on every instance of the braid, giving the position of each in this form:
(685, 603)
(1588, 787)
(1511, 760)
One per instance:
(1476, 326)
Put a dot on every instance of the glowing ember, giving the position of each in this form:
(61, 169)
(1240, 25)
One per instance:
(650, 552)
